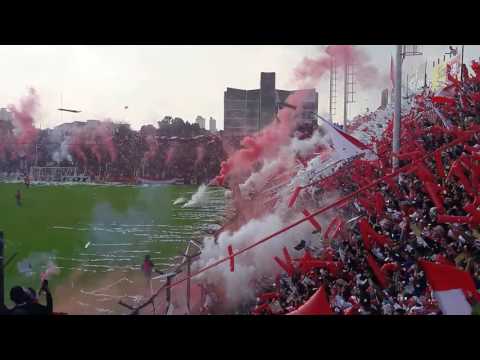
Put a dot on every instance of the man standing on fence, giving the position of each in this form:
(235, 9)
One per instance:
(147, 268)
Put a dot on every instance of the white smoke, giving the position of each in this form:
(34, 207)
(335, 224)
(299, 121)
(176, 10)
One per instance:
(37, 263)
(199, 198)
(62, 153)
(52, 269)
(284, 161)
(257, 263)
(179, 200)
(254, 264)
(307, 146)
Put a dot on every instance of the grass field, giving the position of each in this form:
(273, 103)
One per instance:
(95, 230)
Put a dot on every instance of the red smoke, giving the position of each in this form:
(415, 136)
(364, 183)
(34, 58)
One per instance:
(25, 133)
(200, 150)
(311, 70)
(152, 144)
(263, 144)
(169, 154)
(96, 139)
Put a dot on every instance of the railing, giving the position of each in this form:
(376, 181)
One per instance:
(165, 288)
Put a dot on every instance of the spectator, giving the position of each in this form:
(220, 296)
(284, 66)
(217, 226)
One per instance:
(26, 301)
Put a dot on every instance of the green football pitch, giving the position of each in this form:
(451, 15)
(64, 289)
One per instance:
(96, 229)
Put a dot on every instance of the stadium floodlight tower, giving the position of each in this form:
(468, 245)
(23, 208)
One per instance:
(333, 89)
(402, 52)
(349, 83)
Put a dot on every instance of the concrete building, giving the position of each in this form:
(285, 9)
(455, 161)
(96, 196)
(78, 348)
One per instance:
(384, 99)
(212, 125)
(200, 121)
(6, 115)
(248, 111)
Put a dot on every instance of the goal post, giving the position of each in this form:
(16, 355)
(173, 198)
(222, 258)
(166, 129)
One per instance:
(57, 174)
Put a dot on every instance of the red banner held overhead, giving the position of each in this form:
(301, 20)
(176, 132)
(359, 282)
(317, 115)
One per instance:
(284, 266)
(317, 305)
(312, 220)
(232, 259)
(379, 275)
(294, 196)
(439, 164)
(287, 257)
(433, 191)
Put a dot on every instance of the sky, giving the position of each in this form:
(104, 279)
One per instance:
(155, 81)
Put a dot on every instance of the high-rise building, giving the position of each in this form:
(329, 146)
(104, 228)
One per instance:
(248, 111)
(200, 121)
(6, 115)
(212, 125)
(384, 100)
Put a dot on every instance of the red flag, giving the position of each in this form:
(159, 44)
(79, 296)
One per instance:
(363, 225)
(389, 267)
(439, 164)
(443, 100)
(450, 285)
(410, 155)
(379, 204)
(340, 226)
(331, 226)
(382, 280)
(287, 257)
(366, 204)
(294, 196)
(458, 171)
(423, 173)
(369, 235)
(433, 191)
(312, 220)
(288, 269)
(232, 259)
(317, 305)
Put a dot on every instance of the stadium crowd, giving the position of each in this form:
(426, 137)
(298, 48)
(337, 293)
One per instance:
(370, 264)
(114, 152)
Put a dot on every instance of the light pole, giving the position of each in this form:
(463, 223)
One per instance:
(345, 94)
(398, 106)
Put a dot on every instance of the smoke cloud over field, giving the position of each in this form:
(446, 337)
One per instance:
(311, 71)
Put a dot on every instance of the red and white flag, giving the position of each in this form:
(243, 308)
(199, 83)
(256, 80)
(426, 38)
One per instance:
(450, 285)
(317, 305)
